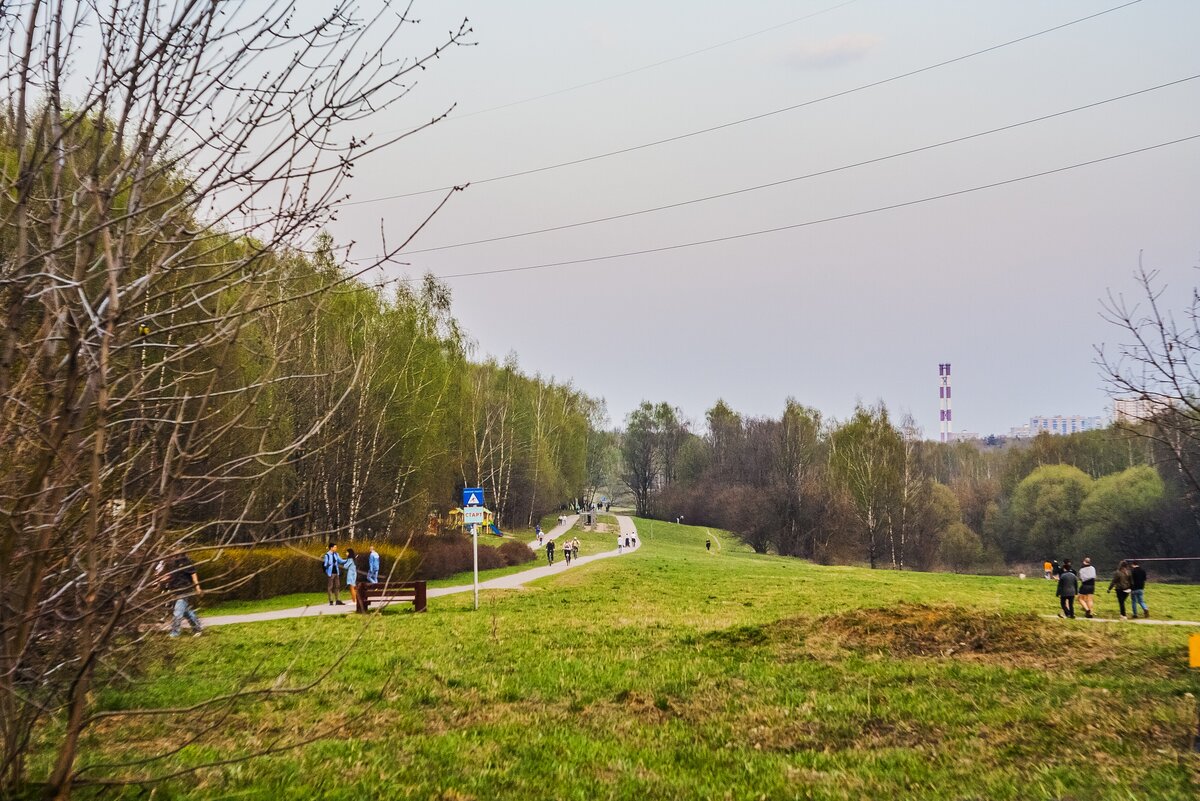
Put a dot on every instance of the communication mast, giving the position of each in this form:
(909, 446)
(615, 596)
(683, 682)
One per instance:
(946, 419)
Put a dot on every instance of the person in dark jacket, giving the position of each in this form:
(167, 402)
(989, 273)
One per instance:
(1137, 589)
(1068, 586)
(550, 552)
(1123, 581)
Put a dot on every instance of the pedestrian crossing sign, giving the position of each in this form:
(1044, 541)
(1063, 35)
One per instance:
(473, 496)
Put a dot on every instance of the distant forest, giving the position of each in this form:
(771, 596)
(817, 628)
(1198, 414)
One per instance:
(870, 490)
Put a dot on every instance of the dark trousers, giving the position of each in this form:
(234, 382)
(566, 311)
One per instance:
(1121, 596)
(1067, 602)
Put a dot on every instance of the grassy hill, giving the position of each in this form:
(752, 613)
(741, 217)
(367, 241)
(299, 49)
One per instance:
(675, 673)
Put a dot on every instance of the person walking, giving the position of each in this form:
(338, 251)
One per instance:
(373, 566)
(620, 542)
(332, 564)
(182, 582)
(1046, 568)
(550, 552)
(351, 568)
(1068, 587)
(1123, 581)
(1087, 587)
(567, 552)
(1137, 590)
(708, 543)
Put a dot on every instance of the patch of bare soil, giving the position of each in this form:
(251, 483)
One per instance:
(920, 630)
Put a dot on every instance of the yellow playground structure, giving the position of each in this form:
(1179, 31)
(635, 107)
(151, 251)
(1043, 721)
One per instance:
(454, 519)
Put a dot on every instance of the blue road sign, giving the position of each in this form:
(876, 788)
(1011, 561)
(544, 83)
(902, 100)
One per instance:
(472, 496)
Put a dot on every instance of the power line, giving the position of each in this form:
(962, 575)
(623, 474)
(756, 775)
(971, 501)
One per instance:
(753, 118)
(808, 223)
(806, 176)
(661, 63)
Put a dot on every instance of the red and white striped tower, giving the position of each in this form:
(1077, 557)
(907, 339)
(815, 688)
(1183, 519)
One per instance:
(946, 419)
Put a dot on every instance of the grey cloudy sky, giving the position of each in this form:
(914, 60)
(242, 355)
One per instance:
(1004, 283)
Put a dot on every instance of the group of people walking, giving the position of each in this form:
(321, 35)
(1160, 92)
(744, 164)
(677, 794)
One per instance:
(1129, 580)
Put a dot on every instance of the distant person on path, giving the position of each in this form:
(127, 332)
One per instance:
(567, 552)
(1087, 586)
(183, 583)
(1137, 595)
(550, 552)
(708, 544)
(1055, 570)
(332, 564)
(1048, 568)
(627, 542)
(575, 546)
(1123, 581)
(351, 568)
(373, 566)
(619, 543)
(1067, 588)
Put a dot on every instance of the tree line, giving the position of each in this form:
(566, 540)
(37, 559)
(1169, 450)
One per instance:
(870, 489)
(188, 364)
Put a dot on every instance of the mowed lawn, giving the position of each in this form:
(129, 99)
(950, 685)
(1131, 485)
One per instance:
(676, 673)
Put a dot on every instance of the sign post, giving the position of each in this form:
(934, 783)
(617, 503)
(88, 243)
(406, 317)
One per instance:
(473, 514)
(475, 543)
(1194, 664)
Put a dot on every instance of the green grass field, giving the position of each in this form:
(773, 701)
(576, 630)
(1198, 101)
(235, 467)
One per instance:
(675, 673)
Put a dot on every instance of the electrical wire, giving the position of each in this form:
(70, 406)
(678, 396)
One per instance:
(661, 63)
(806, 176)
(753, 118)
(821, 221)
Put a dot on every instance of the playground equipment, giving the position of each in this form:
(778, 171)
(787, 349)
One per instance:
(456, 519)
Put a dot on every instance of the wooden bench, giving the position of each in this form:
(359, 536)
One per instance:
(394, 592)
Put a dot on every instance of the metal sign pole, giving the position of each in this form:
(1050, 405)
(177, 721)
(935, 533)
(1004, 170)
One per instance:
(475, 541)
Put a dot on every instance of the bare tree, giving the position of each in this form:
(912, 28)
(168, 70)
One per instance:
(1153, 376)
(166, 165)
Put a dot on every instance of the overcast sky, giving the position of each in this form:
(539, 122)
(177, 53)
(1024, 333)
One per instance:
(1004, 283)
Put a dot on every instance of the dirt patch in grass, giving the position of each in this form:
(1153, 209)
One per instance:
(1020, 639)
(907, 630)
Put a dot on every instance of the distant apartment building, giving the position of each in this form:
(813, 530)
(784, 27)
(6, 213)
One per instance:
(1020, 432)
(1064, 424)
(1132, 410)
(964, 436)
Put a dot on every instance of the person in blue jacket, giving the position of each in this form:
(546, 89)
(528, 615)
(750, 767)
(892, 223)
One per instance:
(373, 566)
(351, 568)
(332, 564)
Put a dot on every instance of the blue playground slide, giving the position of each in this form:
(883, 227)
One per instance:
(495, 530)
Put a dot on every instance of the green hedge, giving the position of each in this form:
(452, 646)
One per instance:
(252, 574)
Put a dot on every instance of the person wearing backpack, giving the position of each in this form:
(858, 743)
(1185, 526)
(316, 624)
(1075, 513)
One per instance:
(1124, 584)
(331, 566)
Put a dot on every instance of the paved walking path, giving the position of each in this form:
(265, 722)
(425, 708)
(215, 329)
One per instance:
(554, 533)
(509, 582)
(1141, 621)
